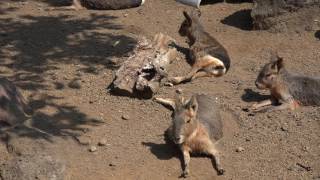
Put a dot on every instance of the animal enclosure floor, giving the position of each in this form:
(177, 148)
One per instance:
(63, 62)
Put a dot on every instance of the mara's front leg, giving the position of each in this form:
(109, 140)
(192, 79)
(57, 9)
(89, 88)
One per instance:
(260, 104)
(216, 160)
(292, 105)
(186, 161)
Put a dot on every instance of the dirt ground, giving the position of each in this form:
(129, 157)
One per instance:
(61, 61)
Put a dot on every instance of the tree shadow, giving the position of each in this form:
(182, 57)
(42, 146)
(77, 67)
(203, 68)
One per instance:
(317, 34)
(32, 47)
(41, 44)
(252, 96)
(59, 120)
(241, 19)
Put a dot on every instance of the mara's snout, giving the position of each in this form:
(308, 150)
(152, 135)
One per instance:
(178, 139)
(260, 85)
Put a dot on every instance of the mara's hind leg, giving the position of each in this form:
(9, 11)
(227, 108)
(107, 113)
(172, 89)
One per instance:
(188, 77)
(166, 102)
(201, 74)
(216, 160)
(208, 66)
(260, 104)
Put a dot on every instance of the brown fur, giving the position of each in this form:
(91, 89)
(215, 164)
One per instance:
(196, 128)
(209, 56)
(288, 89)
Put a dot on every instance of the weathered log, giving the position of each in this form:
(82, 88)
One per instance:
(285, 15)
(141, 74)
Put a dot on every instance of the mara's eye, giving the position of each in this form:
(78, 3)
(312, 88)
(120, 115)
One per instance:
(268, 75)
(189, 120)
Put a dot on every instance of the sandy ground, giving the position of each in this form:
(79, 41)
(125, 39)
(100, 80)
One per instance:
(43, 50)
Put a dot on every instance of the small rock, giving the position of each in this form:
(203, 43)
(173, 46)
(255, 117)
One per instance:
(284, 128)
(83, 140)
(93, 149)
(102, 142)
(112, 165)
(125, 117)
(179, 91)
(251, 114)
(239, 149)
(305, 148)
(125, 14)
(116, 43)
(245, 109)
(74, 84)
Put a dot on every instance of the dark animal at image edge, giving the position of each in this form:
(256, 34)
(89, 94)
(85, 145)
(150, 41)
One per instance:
(209, 56)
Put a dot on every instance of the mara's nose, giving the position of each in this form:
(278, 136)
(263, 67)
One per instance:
(177, 139)
(256, 83)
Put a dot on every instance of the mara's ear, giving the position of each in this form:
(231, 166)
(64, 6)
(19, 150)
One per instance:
(188, 18)
(192, 106)
(179, 101)
(277, 64)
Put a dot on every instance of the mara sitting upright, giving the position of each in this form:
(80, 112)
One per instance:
(287, 89)
(210, 58)
(196, 128)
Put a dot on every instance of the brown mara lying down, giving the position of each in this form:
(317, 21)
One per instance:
(104, 4)
(196, 127)
(287, 89)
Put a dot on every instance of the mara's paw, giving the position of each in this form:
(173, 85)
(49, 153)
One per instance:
(185, 174)
(221, 171)
(175, 80)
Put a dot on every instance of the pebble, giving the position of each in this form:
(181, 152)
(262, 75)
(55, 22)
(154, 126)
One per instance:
(74, 84)
(284, 128)
(93, 149)
(112, 165)
(83, 140)
(125, 117)
(239, 149)
(102, 142)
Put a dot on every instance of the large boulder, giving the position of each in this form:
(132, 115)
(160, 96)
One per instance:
(285, 15)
